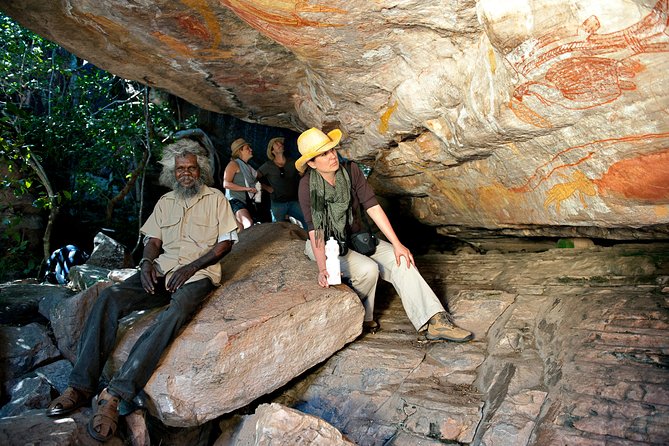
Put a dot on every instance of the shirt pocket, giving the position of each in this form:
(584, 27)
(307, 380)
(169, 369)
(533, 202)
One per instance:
(170, 229)
(203, 233)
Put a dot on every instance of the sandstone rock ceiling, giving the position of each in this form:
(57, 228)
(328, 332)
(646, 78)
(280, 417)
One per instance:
(533, 117)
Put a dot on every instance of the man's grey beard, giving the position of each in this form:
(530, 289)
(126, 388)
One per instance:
(187, 192)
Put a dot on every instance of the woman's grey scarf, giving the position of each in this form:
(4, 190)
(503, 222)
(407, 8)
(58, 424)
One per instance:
(330, 206)
(249, 174)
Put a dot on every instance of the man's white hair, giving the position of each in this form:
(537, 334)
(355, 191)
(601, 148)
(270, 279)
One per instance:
(180, 149)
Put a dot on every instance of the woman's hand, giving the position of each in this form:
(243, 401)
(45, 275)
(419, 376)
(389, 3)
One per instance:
(323, 278)
(403, 251)
(253, 190)
(378, 215)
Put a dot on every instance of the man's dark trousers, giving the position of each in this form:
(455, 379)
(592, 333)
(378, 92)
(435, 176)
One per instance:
(99, 335)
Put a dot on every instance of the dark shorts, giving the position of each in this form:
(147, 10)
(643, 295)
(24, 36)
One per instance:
(237, 205)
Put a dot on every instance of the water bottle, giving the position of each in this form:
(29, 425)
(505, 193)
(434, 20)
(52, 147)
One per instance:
(258, 196)
(332, 262)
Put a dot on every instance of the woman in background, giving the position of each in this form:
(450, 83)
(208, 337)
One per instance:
(279, 171)
(239, 181)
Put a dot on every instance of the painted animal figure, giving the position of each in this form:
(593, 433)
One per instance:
(580, 184)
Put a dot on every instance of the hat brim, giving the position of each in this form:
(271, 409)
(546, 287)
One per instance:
(334, 135)
(237, 146)
(270, 145)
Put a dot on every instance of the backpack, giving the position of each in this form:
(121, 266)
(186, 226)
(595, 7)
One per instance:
(61, 260)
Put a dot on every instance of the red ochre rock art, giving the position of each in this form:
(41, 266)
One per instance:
(280, 20)
(194, 27)
(585, 79)
(644, 178)
(585, 82)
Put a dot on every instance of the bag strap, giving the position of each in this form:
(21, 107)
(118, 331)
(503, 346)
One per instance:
(247, 172)
(360, 211)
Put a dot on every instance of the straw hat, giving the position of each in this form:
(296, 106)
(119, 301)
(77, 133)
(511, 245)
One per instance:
(270, 144)
(237, 144)
(314, 142)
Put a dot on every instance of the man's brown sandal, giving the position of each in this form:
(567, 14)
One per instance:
(71, 400)
(102, 425)
(370, 326)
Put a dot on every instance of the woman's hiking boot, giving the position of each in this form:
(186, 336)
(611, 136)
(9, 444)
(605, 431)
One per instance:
(441, 328)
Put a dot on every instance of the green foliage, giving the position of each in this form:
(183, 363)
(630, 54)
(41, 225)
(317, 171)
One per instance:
(84, 126)
(16, 260)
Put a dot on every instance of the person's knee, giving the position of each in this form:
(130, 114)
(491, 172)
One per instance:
(183, 304)
(176, 314)
(402, 270)
(109, 296)
(244, 218)
(367, 271)
(181, 307)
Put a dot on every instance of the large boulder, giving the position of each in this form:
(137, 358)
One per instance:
(277, 424)
(268, 323)
(23, 349)
(35, 428)
(33, 392)
(85, 276)
(68, 316)
(20, 302)
(108, 253)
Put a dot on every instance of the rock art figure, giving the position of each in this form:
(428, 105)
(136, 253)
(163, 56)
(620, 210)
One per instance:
(572, 71)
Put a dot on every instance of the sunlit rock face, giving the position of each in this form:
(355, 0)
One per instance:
(538, 117)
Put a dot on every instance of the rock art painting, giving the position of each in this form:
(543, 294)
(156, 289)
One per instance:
(201, 34)
(385, 117)
(643, 179)
(277, 19)
(639, 179)
(281, 19)
(578, 185)
(583, 69)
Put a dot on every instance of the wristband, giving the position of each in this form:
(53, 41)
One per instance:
(145, 259)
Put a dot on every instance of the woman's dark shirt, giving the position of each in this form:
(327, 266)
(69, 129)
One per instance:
(363, 193)
(284, 180)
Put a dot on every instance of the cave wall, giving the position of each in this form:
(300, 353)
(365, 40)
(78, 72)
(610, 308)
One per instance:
(522, 117)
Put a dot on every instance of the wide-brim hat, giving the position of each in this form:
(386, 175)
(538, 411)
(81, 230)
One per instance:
(237, 144)
(313, 142)
(270, 144)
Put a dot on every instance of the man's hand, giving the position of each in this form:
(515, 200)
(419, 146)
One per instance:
(149, 277)
(180, 276)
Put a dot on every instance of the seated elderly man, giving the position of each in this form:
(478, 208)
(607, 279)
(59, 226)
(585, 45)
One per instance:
(190, 230)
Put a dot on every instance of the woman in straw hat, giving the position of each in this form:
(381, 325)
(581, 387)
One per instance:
(239, 181)
(328, 195)
(280, 173)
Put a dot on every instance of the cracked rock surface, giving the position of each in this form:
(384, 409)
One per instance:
(570, 348)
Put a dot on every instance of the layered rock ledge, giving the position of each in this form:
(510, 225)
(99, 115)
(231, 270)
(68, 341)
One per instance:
(542, 118)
